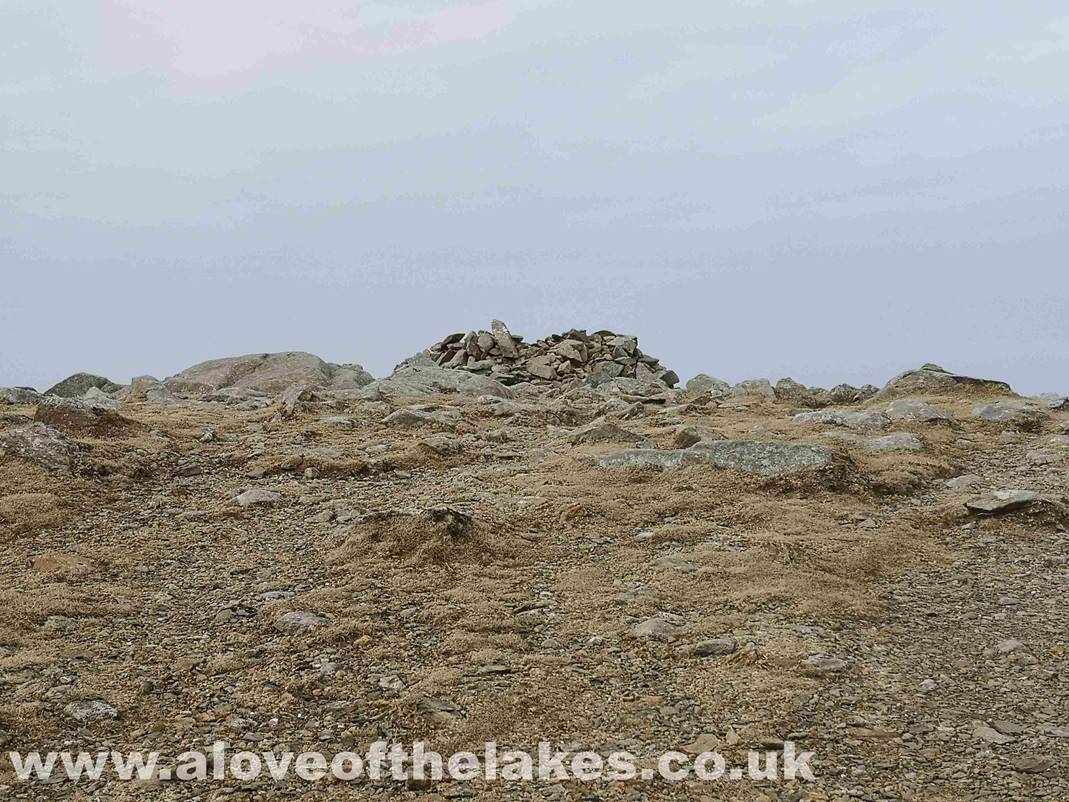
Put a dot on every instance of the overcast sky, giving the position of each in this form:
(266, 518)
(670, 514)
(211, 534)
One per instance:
(829, 190)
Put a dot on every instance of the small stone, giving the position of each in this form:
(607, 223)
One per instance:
(1034, 764)
(258, 495)
(541, 367)
(299, 621)
(714, 647)
(990, 735)
(824, 664)
(1008, 646)
(654, 629)
(676, 563)
(963, 481)
(91, 710)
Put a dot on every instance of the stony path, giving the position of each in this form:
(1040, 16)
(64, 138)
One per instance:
(963, 690)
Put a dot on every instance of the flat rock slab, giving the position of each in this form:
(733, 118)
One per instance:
(299, 621)
(913, 409)
(747, 456)
(1022, 414)
(601, 430)
(851, 419)
(934, 379)
(1000, 501)
(895, 441)
(258, 496)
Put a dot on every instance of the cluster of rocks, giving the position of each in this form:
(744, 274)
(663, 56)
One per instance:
(595, 358)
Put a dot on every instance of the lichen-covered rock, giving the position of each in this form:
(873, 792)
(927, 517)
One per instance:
(931, 378)
(748, 456)
(76, 385)
(265, 374)
(74, 416)
(23, 396)
(420, 376)
(601, 430)
(895, 441)
(913, 410)
(1019, 413)
(1000, 501)
(850, 419)
(41, 444)
(704, 383)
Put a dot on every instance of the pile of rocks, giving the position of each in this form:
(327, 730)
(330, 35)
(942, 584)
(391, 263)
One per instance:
(595, 358)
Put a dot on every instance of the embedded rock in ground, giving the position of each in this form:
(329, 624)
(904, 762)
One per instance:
(895, 441)
(298, 621)
(748, 456)
(420, 376)
(265, 374)
(600, 430)
(76, 385)
(73, 416)
(1000, 501)
(1053, 401)
(715, 647)
(687, 436)
(415, 416)
(1019, 413)
(654, 629)
(257, 495)
(913, 409)
(963, 482)
(704, 383)
(88, 711)
(931, 378)
(593, 358)
(40, 444)
(851, 419)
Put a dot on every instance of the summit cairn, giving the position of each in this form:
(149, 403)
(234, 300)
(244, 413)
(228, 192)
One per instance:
(595, 358)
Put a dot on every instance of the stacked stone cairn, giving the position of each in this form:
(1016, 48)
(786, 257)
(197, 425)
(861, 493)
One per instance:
(592, 358)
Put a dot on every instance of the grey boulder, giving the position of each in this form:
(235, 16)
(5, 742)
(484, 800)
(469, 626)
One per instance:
(931, 378)
(600, 430)
(913, 410)
(265, 375)
(23, 396)
(1018, 413)
(40, 444)
(704, 383)
(76, 385)
(761, 388)
(420, 376)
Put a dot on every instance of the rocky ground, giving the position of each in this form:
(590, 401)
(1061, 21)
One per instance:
(313, 562)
